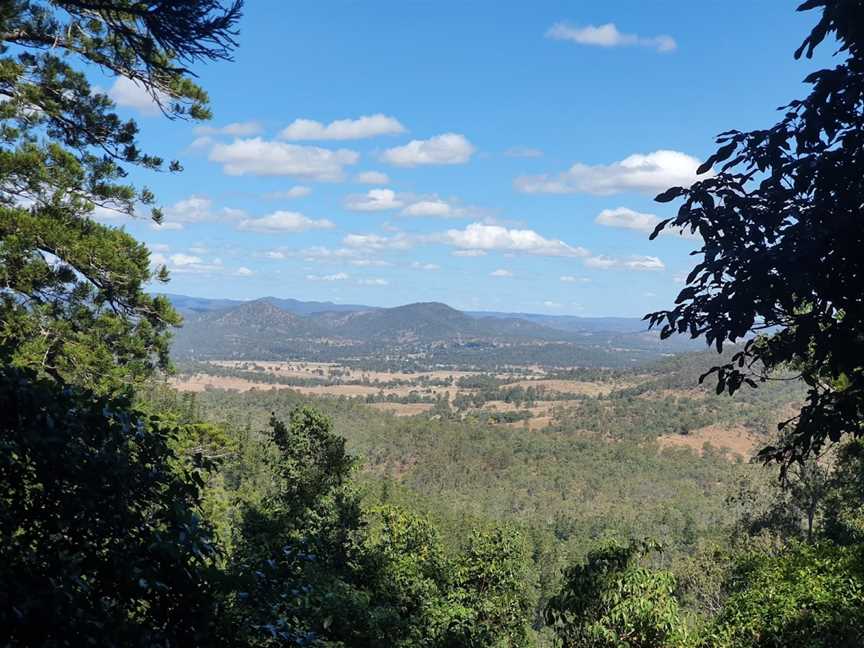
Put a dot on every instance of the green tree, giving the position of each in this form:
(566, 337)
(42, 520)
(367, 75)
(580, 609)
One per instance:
(804, 596)
(72, 300)
(102, 540)
(614, 601)
(781, 225)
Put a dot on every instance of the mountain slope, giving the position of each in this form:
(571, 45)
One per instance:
(252, 329)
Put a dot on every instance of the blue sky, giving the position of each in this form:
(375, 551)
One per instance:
(496, 156)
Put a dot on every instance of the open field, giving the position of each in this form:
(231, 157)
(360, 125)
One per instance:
(524, 398)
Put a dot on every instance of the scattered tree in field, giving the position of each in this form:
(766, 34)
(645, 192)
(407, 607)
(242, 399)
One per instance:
(782, 228)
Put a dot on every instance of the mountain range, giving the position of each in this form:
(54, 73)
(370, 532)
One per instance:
(272, 328)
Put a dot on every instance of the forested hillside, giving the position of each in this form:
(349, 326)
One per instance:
(424, 333)
(416, 476)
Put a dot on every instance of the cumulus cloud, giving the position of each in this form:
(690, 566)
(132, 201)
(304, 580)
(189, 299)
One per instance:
(342, 129)
(501, 272)
(431, 267)
(373, 200)
(647, 173)
(193, 209)
(625, 218)
(283, 221)
(243, 271)
(339, 276)
(608, 36)
(187, 263)
(261, 157)
(370, 263)
(196, 209)
(129, 94)
(638, 263)
(449, 148)
(298, 191)
(321, 253)
(479, 236)
(235, 129)
(373, 282)
(159, 227)
(372, 177)
(378, 242)
(434, 207)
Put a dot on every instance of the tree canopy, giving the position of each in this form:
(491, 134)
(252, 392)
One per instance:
(782, 230)
(72, 300)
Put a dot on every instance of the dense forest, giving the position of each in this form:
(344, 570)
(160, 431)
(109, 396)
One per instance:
(132, 514)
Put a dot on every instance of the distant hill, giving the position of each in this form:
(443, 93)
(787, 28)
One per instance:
(428, 321)
(422, 333)
(186, 304)
(572, 323)
(256, 329)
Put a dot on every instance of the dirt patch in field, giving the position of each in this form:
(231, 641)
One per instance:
(737, 439)
(402, 409)
(202, 382)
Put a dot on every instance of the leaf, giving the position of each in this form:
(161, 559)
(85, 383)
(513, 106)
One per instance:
(669, 195)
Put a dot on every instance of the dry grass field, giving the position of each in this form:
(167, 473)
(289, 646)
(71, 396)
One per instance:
(385, 385)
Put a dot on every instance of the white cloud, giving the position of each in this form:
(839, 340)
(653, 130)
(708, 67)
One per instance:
(478, 236)
(468, 253)
(298, 191)
(373, 200)
(129, 94)
(433, 207)
(243, 271)
(378, 242)
(425, 266)
(625, 218)
(552, 304)
(608, 36)
(187, 263)
(275, 254)
(196, 209)
(158, 247)
(339, 276)
(283, 221)
(321, 253)
(193, 209)
(449, 148)
(185, 259)
(372, 177)
(370, 263)
(373, 282)
(647, 173)
(159, 227)
(257, 156)
(638, 263)
(235, 129)
(103, 214)
(501, 272)
(572, 279)
(523, 152)
(342, 129)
